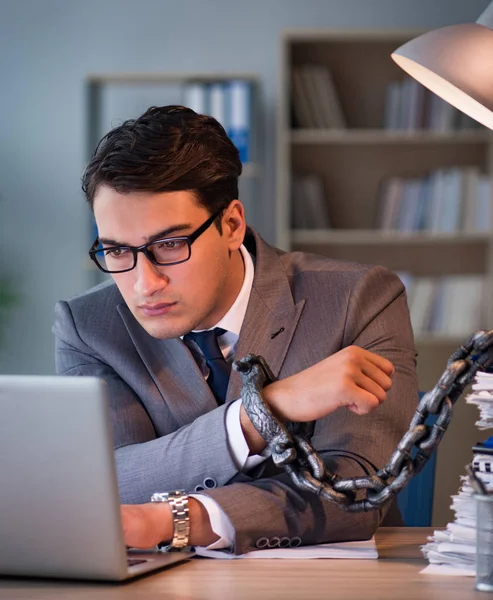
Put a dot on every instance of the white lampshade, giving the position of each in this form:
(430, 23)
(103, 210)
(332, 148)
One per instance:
(456, 63)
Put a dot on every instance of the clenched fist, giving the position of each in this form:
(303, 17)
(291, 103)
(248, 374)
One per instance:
(353, 378)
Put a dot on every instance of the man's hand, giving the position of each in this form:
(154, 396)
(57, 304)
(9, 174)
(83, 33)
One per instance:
(353, 378)
(146, 525)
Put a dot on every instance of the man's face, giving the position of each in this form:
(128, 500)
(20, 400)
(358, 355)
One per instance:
(169, 301)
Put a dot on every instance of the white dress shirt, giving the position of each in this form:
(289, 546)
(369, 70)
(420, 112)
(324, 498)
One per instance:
(231, 323)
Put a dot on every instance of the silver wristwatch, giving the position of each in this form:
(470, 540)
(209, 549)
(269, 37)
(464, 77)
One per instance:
(178, 502)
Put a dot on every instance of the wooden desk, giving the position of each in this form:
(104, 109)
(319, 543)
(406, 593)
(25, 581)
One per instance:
(394, 576)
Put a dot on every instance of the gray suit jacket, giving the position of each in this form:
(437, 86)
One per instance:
(168, 431)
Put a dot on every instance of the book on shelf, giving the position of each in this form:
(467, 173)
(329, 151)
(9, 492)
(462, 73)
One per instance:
(444, 202)
(421, 297)
(409, 106)
(328, 98)
(452, 551)
(308, 202)
(309, 83)
(408, 216)
(392, 106)
(315, 101)
(451, 305)
(441, 116)
(240, 117)
(218, 105)
(195, 96)
(483, 205)
(302, 110)
(231, 103)
(451, 200)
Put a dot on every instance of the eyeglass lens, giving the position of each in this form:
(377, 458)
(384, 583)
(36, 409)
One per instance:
(165, 252)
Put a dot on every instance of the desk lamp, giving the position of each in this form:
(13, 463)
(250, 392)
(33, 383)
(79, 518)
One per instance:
(456, 63)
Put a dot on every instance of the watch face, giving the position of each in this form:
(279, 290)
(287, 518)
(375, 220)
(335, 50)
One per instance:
(165, 496)
(159, 497)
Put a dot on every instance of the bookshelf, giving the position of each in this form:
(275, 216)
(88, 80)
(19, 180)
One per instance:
(350, 152)
(112, 98)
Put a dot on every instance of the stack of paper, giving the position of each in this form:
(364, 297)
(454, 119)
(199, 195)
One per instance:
(360, 550)
(482, 396)
(453, 550)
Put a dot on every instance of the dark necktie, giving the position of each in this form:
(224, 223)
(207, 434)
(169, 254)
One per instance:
(219, 369)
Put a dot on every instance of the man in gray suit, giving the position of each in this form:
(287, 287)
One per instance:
(193, 288)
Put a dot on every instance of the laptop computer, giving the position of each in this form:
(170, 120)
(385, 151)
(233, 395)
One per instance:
(59, 502)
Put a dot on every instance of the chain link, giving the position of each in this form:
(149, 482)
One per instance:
(291, 449)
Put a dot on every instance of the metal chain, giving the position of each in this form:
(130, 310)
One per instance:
(291, 449)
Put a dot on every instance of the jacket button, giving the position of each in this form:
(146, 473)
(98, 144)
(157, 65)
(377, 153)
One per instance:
(210, 483)
(262, 542)
(284, 542)
(294, 542)
(199, 488)
(274, 542)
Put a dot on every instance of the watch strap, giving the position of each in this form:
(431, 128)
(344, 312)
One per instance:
(178, 502)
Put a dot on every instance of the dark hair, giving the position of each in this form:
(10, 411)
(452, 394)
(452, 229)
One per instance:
(168, 148)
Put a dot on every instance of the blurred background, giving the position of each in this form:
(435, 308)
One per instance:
(344, 155)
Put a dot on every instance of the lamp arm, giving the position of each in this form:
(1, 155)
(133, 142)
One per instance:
(291, 449)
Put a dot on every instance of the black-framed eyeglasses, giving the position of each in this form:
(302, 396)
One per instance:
(163, 252)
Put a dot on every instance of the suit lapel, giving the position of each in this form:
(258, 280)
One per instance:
(173, 370)
(266, 334)
(271, 317)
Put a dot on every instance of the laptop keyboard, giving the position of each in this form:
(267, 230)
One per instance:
(131, 562)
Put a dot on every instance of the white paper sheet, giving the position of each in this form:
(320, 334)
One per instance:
(448, 570)
(361, 550)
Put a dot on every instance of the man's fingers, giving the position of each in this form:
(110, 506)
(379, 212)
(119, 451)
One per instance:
(361, 356)
(377, 375)
(379, 361)
(363, 402)
(367, 384)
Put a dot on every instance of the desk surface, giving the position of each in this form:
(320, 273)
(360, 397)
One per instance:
(395, 575)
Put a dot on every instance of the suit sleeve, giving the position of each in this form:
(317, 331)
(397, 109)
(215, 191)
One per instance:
(377, 319)
(145, 462)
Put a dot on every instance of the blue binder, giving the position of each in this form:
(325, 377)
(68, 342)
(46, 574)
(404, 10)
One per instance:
(240, 117)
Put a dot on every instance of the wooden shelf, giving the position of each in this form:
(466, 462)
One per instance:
(345, 36)
(159, 78)
(420, 259)
(378, 136)
(368, 236)
(439, 341)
